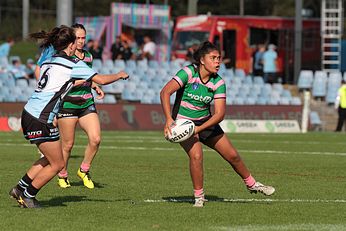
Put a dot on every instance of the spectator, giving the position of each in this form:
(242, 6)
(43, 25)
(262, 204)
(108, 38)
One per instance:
(18, 70)
(5, 51)
(96, 50)
(269, 64)
(340, 105)
(125, 51)
(149, 48)
(116, 48)
(258, 60)
(89, 45)
(30, 68)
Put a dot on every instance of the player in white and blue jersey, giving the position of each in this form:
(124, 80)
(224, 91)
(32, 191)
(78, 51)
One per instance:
(58, 75)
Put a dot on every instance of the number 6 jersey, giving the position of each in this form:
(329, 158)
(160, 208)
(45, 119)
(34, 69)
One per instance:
(57, 76)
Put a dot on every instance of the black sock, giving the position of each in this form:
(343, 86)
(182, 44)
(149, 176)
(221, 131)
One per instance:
(30, 191)
(24, 182)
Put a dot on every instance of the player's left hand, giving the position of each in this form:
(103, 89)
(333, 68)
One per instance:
(100, 93)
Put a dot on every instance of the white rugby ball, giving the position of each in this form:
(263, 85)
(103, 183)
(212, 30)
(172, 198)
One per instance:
(181, 130)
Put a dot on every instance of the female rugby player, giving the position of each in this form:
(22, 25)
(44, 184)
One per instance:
(196, 86)
(58, 74)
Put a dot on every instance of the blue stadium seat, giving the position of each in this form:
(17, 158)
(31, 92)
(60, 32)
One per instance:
(153, 64)
(320, 75)
(315, 120)
(258, 80)
(319, 87)
(97, 63)
(142, 65)
(278, 87)
(286, 93)
(119, 63)
(284, 101)
(131, 64)
(261, 100)
(296, 101)
(239, 101)
(23, 83)
(250, 100)
(108, 63)
(273, 101)
(109, 99)
(239, 72)
(305, 79)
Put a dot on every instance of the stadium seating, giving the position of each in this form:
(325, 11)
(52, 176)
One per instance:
(333, 84)
(305, 79)
(296, 101)
(315, 120)
(148, 77)
(319, 87)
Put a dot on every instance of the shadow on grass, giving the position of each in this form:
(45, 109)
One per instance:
(80, 183)
(60, 201)
(212, 198)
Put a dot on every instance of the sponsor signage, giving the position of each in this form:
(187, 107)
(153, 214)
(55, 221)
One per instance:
(259, 126)
(136, 116)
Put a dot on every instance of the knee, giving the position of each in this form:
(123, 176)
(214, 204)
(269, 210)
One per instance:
(68, 145)
(58, 166)
(196, 158)
(95, 140)
(235, 158)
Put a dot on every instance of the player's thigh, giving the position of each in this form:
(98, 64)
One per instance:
(222, 145)
(192, 147)
(90, 123)
(52, 152)
(67, 127)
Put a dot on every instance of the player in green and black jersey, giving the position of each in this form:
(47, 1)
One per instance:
(196, 86)
(79, 107)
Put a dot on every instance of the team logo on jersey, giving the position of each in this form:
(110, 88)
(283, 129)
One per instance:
(195, 86)
(204, 99)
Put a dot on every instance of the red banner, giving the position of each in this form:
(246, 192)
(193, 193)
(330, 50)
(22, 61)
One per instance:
(150, 117)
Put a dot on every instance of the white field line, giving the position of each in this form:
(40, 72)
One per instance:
(177, 148)
(240, 200)
(283, 227)
(141, 139)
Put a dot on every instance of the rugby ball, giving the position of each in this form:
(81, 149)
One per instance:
(181, 130)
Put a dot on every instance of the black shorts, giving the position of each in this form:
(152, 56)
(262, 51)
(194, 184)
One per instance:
(76, 113)
(37, 132)
(209, 132)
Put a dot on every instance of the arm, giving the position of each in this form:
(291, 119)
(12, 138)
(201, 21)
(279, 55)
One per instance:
(171, 87)
(337, 101)
(217, 117)
(98, 90)
(37, 72)
(110, 78)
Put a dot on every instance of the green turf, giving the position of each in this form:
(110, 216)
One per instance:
(143, 183)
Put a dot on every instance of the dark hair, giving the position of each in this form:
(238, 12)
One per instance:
(59, 37)
(78, 26)
(203, 49)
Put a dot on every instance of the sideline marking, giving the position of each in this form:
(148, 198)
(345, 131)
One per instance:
(248, 200)
(283, 227)
(242, 151)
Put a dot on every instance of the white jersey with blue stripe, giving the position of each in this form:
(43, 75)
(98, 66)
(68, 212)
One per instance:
(57, 76)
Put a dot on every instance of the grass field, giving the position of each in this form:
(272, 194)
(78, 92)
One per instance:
(143, 183)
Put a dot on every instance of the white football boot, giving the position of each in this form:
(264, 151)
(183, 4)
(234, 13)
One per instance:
(199, 202)
(265, 189)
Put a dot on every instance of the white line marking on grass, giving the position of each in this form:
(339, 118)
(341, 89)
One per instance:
(177, 148)
(293, 227)
(239, 200)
